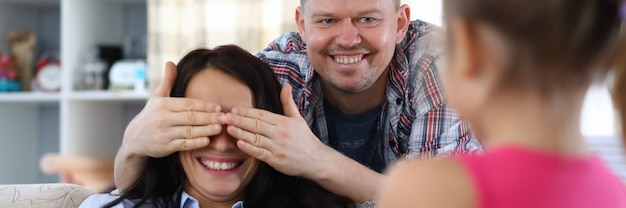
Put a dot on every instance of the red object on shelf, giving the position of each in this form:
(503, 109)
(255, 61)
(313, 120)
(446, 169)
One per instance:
(48, 75)
(8, 68)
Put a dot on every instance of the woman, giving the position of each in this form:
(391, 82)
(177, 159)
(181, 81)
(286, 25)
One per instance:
(518, 71)
(221, 175)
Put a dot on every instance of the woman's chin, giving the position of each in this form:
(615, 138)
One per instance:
(222, 189)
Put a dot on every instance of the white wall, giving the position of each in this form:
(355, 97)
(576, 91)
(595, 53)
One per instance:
(599, 125)
(426, 10)
(18, 149)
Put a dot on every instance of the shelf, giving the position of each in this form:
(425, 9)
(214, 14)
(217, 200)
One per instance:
(108, 96)
(69, 122)
(43, 3)
(39, 97)
(35, 3)
(29, 97)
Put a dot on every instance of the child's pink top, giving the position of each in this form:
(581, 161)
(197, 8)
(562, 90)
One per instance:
(517, 177)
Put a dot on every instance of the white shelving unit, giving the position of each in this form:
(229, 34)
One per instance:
(70, 122)
(28, 97)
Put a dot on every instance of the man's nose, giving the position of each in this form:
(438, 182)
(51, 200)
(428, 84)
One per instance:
(348, 36)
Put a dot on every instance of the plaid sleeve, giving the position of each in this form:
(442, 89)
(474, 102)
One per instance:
(440, 132)
(437, 129)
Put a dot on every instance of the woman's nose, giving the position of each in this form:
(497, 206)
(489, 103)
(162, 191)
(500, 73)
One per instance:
(223, 141)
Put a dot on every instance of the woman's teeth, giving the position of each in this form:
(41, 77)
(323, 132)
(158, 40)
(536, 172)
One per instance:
(213, 165)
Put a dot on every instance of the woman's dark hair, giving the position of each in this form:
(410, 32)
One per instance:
(161, 182)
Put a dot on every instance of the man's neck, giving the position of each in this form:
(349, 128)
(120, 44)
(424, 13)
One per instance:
(357, 103)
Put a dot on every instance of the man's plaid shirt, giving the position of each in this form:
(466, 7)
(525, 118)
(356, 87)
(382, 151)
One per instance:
(416, 121)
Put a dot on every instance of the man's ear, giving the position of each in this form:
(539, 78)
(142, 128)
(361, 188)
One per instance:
(300, 22)
(404, 19)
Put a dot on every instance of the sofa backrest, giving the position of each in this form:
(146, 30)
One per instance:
(47, 195)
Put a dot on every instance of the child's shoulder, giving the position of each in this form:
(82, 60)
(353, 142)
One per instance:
(439, 182)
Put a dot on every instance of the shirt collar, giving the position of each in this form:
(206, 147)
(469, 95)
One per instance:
(188, 201)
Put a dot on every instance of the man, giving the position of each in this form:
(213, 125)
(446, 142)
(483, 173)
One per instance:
(366, 92)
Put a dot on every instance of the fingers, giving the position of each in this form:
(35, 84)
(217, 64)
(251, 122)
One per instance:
(193, 118)
(254, 151)
(189, 132)
(187, 144)
(255, 139)
(256, 145)
(255, 113)
(188, 104)
(289, 105)
(169, 78)
(250, 121)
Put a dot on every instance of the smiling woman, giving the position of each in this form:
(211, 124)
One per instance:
(220, 174)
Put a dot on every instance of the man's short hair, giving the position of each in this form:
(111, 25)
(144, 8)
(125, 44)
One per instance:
(396, 3)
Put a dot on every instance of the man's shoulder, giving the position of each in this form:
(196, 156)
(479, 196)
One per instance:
(421, 49)
(288, 58)
(425, 29)
(423, 38)
(289, 42)
(420, 54)
(287, 52)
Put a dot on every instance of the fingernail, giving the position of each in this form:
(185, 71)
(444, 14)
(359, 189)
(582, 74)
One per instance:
(230, 118)
(235, 129)
(220, 118)
(234, 111)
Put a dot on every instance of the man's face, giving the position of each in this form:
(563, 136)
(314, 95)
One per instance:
(350, 43)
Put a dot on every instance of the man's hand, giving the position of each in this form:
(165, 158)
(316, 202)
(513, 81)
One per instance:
(287, 144)
(165, 126)
(284, 142)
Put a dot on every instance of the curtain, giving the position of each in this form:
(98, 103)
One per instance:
(177, 26)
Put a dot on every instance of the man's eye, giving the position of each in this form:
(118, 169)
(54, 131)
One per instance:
(327, 21)
(367, 19)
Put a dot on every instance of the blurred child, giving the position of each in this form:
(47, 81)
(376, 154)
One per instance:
(518, 71)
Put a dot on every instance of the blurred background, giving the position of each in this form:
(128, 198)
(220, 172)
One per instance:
(74, 72)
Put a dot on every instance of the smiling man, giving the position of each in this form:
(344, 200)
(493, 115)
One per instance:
(365, 92)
